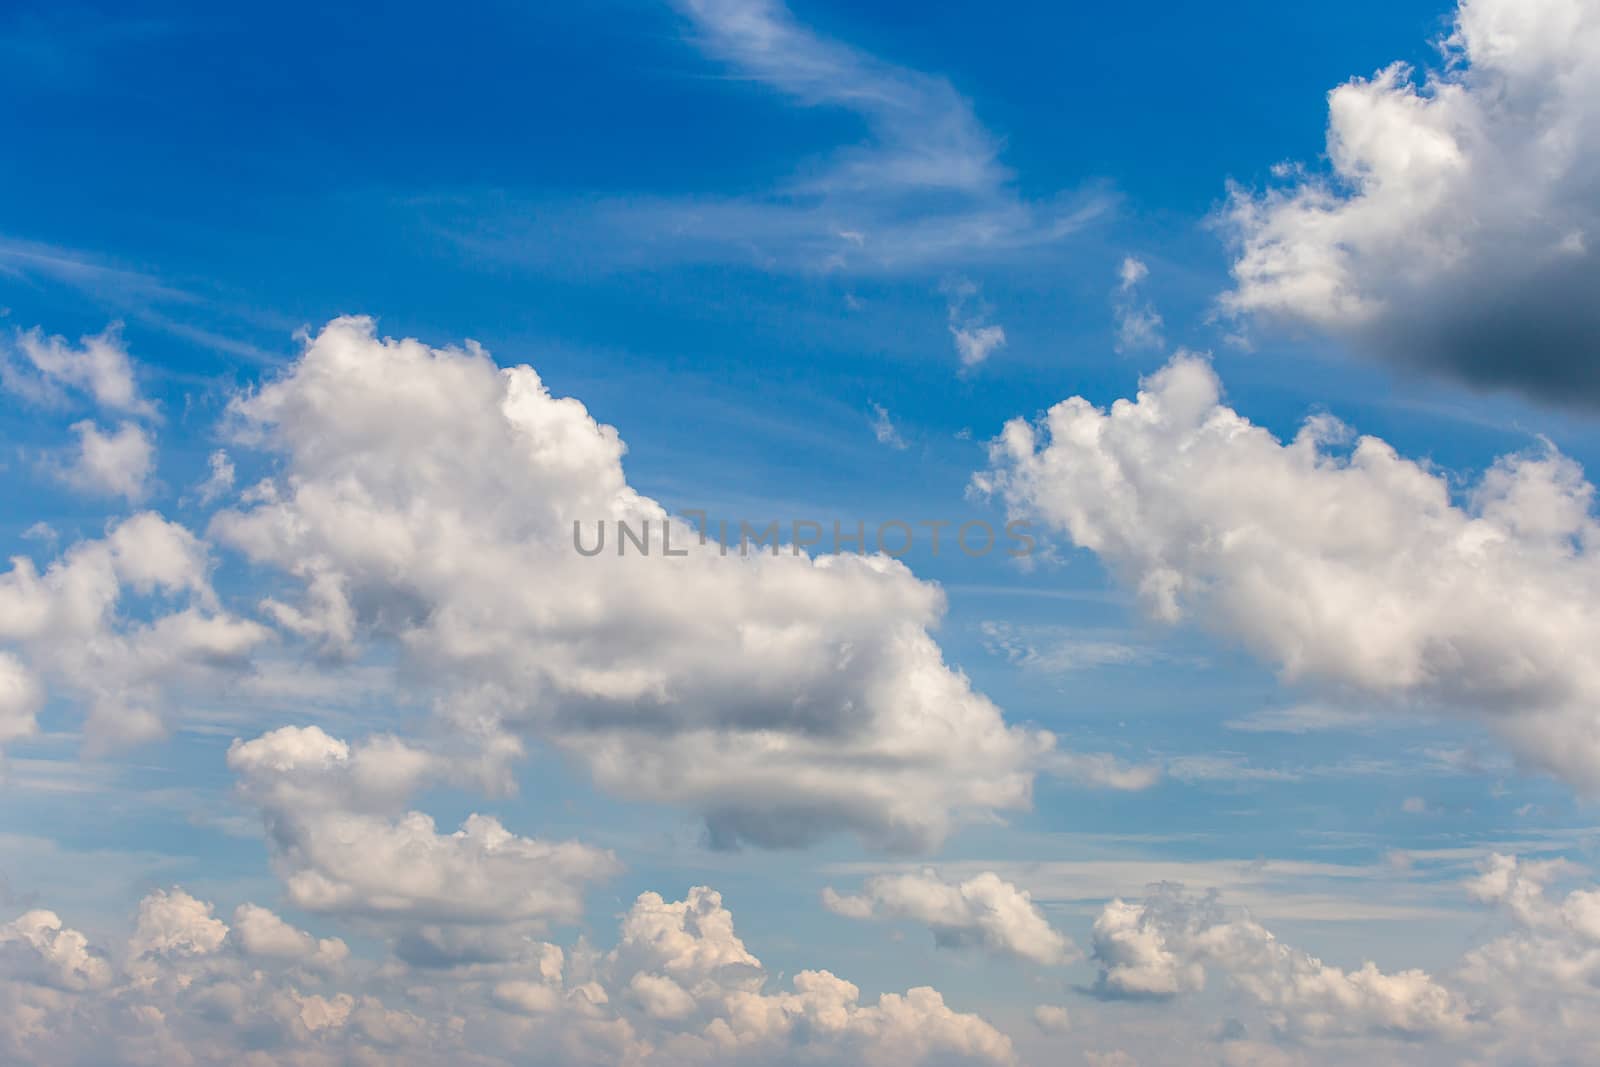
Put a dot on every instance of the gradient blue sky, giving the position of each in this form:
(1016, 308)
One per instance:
(598, 191)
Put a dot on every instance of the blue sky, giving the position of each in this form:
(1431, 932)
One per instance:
(811, 262)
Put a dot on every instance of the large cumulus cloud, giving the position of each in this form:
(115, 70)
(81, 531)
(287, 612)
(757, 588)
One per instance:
(1336, 558)
(428, 497)
(1457, 227)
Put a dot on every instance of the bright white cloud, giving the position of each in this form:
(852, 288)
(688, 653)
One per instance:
(1355, 567)
(51, 372)
(98, 367)
(261, 932)
(117, 463)
(69, 625)
(176, 924)
(429, 498)
(1457, 230)
(1162, 947)
(985, 912)
(328, 807)
(974, 344)
(1135, 957)
(687, 969)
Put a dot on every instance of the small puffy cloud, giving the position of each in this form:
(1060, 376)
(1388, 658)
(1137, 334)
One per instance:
(1481, 602)
(41, 368)
(1138, 323)
(976, 343)
(481, 872)
(261, 932)
(117, 463)
(984, 912)
(685, 969)
(690, 939)
(123, 626)
(975, 337)
(173, 923)
(1135, 958)
(338, 850)
(1458, 229)
(883, 428)
(35, 946)
(1052, 1018)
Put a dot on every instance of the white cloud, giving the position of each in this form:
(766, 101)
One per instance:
(261, 932)
(686, 968)
(70, 628)
(1161, 948)
(1052, 1018)
(98, 367)
(1526, 995)
(679, 988)
(1356, 569)
(1135, 958)
(984, 912)
(883, 428)
(429, 499)
(1457, 230)
(176, 924)
(1138, 323)
(974, 344)
(117, 463)
(975, 337)
(37, 947)
(21, 696)
(50, 371)
(327, 807)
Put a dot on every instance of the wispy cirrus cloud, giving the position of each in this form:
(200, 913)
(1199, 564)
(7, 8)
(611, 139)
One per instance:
(135, 294)
(925, 189)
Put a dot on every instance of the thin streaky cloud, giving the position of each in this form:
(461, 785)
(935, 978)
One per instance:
(925, 190)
